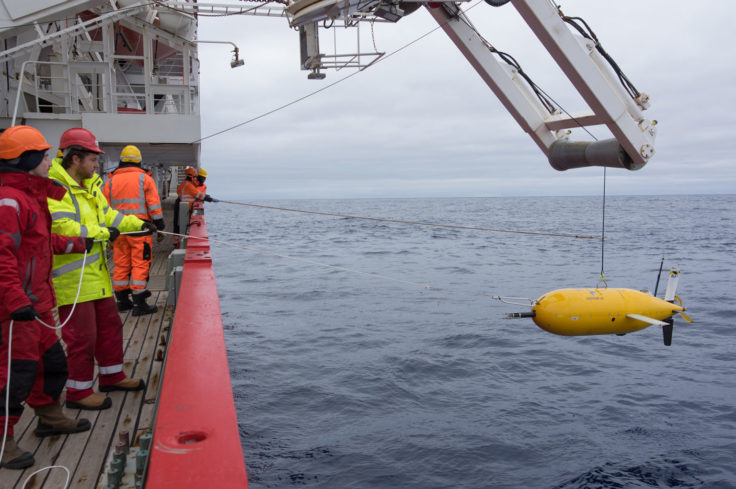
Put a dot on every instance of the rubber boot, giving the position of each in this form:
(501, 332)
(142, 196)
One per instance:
(93, 402)
(15, 457)
(124, 302)
(52, 421)
(140, 307)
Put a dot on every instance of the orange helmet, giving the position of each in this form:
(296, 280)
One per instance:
(190, 172)
(16, 140)
(79, 136)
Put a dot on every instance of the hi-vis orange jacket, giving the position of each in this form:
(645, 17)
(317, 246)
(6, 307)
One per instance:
(188, 192)
(132, 190)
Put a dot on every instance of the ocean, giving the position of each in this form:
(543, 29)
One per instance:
(402, 372)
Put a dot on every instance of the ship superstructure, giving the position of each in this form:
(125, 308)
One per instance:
(125, 70)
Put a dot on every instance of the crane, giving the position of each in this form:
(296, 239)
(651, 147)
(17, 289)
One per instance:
(612, 99)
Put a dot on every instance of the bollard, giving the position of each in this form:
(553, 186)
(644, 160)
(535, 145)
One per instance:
(140, 461)
(145, 441)
(113, 478)
(124, 437)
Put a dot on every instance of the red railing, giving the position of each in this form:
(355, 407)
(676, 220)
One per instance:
(196, 443)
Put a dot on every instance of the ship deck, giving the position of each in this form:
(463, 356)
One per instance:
(86, 454)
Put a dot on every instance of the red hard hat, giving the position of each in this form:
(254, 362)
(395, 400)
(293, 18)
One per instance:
(79, 136)
(16, 140)
(190, 172)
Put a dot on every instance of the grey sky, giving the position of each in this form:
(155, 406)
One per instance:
(423, 124)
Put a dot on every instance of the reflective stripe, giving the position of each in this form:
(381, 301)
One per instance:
(154, 207)
(200, 195)
(80, 385)
(74, 265)
(69, 247)
(111, 369)
(74, 201)
(118, 219)
(116, 202)
(15, 237)
(138, 282)
(127, 212)
(109, 186)
(62, 215)
(10, 203)
(83, 232)
(120, 282)
(30, 269)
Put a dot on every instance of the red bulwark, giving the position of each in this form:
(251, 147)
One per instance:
(195, 439)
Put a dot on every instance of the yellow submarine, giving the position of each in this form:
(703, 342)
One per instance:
(575, 312)
(583, 312)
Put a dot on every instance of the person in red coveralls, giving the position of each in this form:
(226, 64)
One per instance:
(38, 368)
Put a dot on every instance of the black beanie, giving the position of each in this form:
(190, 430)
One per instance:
(30, 160)
(25, 162)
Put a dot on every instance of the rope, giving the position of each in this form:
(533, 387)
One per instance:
(416, 223)
(333, 267)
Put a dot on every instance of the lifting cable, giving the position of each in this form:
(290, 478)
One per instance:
(416, 223)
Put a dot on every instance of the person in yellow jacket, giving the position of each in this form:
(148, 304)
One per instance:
(131, 190)
(94, 330)
(201, 178)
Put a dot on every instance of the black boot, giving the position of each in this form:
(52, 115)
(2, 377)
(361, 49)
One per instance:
(124, 302)
(140, 308)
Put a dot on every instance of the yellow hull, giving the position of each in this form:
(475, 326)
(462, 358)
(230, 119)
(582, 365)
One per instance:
(573, 312)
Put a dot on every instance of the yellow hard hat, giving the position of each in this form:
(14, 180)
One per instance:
(59, 154)
(130, 154)
(202, 172)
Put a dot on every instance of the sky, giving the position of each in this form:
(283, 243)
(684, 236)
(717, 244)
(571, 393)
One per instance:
(422, 123)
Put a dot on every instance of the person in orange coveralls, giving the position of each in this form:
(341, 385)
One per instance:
(132, 190)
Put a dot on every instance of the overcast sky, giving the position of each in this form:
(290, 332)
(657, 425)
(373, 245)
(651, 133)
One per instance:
(422, 123)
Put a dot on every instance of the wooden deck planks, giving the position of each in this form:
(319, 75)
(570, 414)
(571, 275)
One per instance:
(85, 454)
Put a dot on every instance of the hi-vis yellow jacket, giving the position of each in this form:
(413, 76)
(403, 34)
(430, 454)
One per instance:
(84, 211)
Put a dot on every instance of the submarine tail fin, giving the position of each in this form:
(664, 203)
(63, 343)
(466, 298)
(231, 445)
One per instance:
(667, 332)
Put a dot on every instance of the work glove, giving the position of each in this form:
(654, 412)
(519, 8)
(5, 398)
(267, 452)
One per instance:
(160, 224)
(25, 313)
(148, 226)
(207, 198)
(88, 244)
(114, 233)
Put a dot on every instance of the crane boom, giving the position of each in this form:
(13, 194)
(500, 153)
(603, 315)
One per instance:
(579, 57)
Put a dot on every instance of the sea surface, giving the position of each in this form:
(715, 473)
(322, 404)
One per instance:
(402, 372)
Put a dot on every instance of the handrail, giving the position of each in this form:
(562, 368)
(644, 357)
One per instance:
(196, 442)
